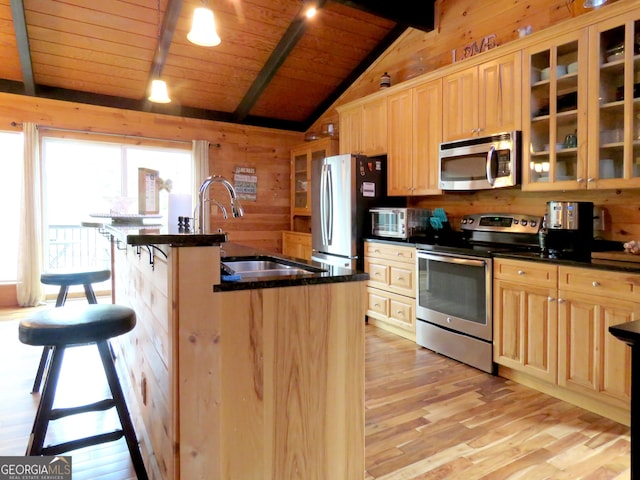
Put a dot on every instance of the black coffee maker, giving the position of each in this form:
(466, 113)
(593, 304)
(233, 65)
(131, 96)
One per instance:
(569, 230)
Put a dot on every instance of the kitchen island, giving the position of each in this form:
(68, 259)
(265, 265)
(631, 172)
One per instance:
(261, 378)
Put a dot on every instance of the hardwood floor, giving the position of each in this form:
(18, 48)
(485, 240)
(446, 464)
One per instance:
(427, 417)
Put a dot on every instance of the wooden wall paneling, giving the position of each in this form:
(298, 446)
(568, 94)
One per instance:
(622, 207)
(8, 295)
(267, 150)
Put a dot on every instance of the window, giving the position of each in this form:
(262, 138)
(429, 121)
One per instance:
(82, 177)
(10, 191)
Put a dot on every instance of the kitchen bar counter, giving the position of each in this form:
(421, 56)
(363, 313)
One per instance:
(159, 235)
(216, 370)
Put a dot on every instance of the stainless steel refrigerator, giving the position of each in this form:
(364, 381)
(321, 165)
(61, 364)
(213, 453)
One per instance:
(343, 189)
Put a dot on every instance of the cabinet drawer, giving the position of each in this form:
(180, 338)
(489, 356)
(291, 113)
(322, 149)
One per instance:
(377, 302)
(600, 282)
(397, 253)
(534, 273)
(378, 272)
(401, 310)
(401, 277)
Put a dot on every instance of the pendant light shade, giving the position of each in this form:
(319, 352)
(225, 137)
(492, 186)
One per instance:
(594, 3)
(159, 92)
(203, 29)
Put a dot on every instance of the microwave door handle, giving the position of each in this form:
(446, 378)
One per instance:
(490, 156)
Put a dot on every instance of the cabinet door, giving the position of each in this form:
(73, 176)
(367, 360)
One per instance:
(460, 104)
(374, 127)
(554, 130)
(525, 329)
(499, 95)
(351, 130)
(427, 136)
(614, 128)
(593, 361)
(300, 182)
(400, 175)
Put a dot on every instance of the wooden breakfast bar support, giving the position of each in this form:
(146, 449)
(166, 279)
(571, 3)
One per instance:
(259, 380)
(630, 334)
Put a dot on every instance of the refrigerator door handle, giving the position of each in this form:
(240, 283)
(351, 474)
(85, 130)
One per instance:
(323, 204)
(329, 200)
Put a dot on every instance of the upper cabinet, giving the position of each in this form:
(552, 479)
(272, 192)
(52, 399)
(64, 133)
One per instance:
(484, 99)
(301, 157)
(363, 127)
(414, 133)
(614, 103)
(554, 134)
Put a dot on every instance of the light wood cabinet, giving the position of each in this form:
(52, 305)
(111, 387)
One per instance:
(525, 317)
(484, 99)
(296, 244)
(555, 106)
(363, 127)
(300, 179)
(614, 103)
(594, 362)
(552, 324)
(391, 288)
(414, 134)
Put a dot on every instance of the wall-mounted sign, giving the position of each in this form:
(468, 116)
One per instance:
(148, 191)
(246, 183)
(486, 43)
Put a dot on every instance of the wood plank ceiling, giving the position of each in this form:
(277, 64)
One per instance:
(273, 68)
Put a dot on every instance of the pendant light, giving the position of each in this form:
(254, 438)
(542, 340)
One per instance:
(203, 29)
(593, 3)
(159, 92)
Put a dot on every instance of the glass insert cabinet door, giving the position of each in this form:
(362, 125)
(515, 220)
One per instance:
(554, 112)
(614, 153)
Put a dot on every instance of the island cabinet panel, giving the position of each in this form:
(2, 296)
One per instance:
(283, 384)
(257, 383)
(144, 355)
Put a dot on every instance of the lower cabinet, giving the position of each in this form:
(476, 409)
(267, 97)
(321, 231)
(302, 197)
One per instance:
(551, 323)
(391, 289)
(296, 244)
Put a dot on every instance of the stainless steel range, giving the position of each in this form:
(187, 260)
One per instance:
(454, 285)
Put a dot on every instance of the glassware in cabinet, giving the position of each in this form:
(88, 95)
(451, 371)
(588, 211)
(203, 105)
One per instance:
(555, 126)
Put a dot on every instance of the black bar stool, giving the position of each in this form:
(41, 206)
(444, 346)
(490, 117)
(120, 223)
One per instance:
(64, 327)
(66, 279)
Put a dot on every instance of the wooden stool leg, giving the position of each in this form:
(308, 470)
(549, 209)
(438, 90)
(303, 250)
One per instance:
(123, 411)
(90, 294)
(62, 295)
(44, 359)
(43, 415)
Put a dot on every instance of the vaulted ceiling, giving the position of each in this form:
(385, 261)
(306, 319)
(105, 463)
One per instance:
(273, 68)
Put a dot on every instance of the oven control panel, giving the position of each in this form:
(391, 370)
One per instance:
(502, 222)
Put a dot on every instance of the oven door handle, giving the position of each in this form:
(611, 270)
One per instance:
(457, 260)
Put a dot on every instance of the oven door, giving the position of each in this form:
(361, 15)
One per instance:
(454, 292)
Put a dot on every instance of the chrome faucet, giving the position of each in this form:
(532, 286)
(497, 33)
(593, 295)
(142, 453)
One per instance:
(203, 214)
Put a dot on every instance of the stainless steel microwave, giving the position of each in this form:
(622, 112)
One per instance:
(400, 223)
(480, 163)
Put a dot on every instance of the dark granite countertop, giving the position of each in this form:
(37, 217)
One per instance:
(627, 332)
(159, 235)
(596, 263)
(326, 273)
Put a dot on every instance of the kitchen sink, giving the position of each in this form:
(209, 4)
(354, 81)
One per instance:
(266, 267)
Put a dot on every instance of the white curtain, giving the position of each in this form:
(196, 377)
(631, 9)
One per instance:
(200, 163)
(30, 291)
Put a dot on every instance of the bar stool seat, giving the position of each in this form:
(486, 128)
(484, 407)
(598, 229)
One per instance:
(59, 328)
(66, 279)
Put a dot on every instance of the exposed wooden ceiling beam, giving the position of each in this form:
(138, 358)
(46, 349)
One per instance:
(168, 28)
(286, 44)
(24, 50)
(419, 14)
